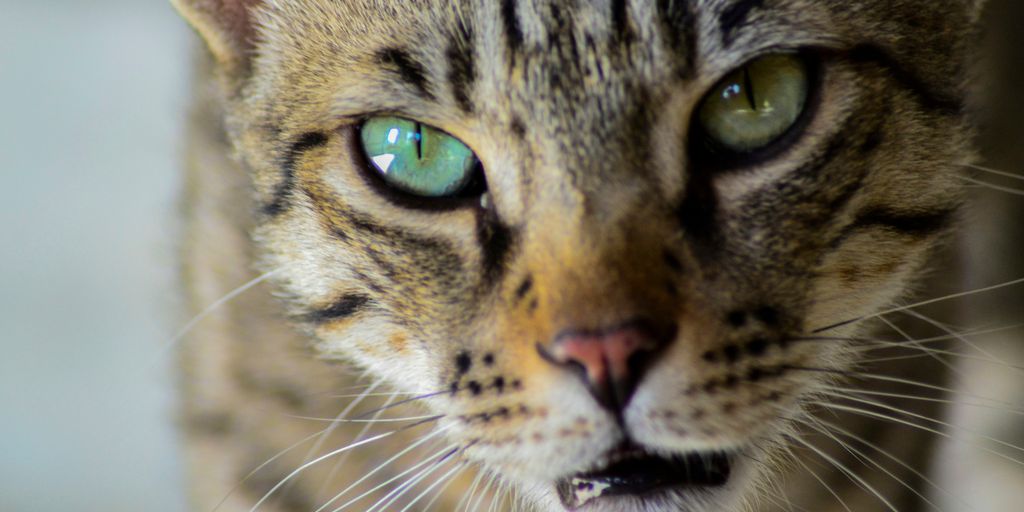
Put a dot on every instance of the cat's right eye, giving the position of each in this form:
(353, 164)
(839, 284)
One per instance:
(756, 105)
(418, 159)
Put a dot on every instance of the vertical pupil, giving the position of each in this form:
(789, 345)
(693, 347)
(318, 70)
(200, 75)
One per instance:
(419, 141)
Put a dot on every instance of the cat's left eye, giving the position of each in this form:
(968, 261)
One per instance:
(756, 105)
(418, 159)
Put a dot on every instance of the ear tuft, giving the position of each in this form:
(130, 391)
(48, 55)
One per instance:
(226, 26)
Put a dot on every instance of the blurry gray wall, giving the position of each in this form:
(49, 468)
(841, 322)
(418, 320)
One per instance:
(92, 95)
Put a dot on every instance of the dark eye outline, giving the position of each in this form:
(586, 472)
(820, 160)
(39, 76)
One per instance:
(468, 196)
(707, 153)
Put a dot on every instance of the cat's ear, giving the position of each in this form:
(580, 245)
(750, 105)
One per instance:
(227, 26)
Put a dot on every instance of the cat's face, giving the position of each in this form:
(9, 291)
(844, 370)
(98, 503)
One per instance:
(611, 309)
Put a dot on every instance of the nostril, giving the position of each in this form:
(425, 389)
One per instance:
(610, 362)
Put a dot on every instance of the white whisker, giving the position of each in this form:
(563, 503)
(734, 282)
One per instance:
(996, 172)
(381, 466)
(302, 468)
(895, 459)
(839, 465)
(860, 455)
(993, 186)
(180, 335)
(408, 485)
(878, 415)
(442, 479)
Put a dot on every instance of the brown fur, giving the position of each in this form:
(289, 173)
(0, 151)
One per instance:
(593, 200)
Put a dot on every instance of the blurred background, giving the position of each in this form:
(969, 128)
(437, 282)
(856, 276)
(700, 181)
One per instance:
(93, 98)
(92, 103)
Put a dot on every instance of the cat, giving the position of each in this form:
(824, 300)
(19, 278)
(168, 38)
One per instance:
(622, 253)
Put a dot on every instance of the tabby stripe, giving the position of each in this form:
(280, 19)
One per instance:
(462, 67)
(620, 18)
(496, 242)
(679, 30)
(304, 143)
(510, 19)
(409, 70)
(395, 245)
(930, 99)
(734, 17)
(344, 307)
(918, 224)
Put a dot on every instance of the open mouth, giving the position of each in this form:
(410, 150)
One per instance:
(632, 471)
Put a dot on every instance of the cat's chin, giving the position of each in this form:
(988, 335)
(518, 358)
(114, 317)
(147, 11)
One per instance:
(633, 478)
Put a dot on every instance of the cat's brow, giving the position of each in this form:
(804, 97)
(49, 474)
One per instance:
(401, 63)
(733, 18)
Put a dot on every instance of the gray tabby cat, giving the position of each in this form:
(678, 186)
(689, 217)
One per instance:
(621, 252)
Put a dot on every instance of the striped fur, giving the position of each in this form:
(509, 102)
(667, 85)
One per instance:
(596, 215)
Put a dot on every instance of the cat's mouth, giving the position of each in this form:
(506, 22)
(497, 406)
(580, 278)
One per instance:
(631, 471)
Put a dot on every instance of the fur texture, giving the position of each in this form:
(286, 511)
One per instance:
(596, 215)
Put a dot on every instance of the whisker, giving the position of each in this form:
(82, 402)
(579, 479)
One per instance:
(337, 421)
(445, 478)
(266, 463)
(440, 492)
(924, 399)
(822, 482)
(468, 497)
(977, 291)
(408, 485)
(895, 459)
(395, 393)
(892, 408)
(932, 353)
(338, 464)
(351, 446)
(400, 403)
(841, 467)
(857, 453)
(995, 172)
(232, 295)
(381, 466)
(887, 417)
(993, 186)
(369, 421)
(428, 460)
(966, 341)
(483, 493)
(907, 382)
(932, 339)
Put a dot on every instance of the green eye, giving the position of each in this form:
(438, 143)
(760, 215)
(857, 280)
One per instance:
(757, 104)
(416, 158)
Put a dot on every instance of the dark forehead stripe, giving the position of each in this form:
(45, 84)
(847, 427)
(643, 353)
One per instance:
(510, 20)
(620, 18)
(408, 70)
(346, 306)
(462, 66)
(679, 31)
(734, 17)
(304, 143)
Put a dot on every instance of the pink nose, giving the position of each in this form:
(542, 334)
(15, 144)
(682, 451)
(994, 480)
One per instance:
(611, 362)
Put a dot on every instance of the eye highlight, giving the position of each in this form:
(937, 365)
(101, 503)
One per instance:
(756, 105)
(416, 158)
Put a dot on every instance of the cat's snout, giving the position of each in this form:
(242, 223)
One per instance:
(610, 362)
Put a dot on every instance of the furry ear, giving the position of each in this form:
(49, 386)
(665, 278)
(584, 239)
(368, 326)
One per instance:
(226, 25)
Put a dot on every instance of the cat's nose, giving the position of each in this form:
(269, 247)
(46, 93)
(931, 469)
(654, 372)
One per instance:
(610, 362)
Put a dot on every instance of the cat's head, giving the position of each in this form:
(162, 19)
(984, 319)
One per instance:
(603, 236)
